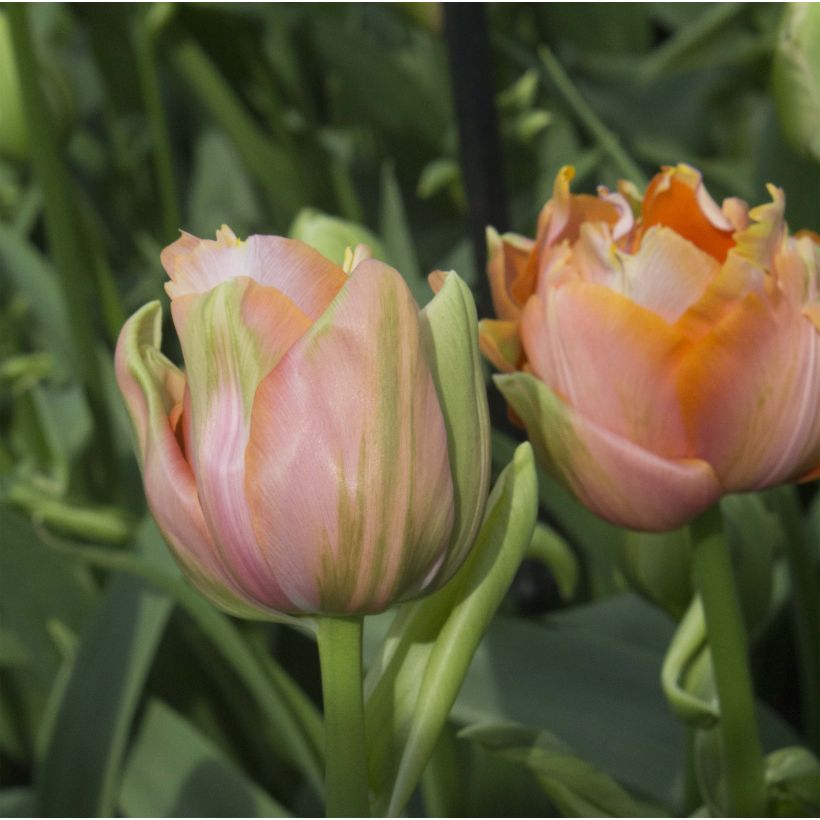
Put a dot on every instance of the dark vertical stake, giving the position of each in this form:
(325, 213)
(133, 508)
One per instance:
(465, 30)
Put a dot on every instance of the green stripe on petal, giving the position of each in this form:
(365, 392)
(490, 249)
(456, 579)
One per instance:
(449, 331)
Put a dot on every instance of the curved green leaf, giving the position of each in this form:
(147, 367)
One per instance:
(413, 683)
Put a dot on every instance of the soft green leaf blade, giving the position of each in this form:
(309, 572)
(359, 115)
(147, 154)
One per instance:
(575, 786)
(398, 240)
(78, 774)
(37, 588)
(796, 76)
(296, 721)
(18, 801)
(331, 236)
(414, 683)
(553, 551)
(174, 771)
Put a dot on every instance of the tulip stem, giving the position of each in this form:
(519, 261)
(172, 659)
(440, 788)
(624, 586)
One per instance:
(740, 740)
(340, 656)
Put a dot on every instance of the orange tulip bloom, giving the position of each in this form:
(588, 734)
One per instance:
(660, 350)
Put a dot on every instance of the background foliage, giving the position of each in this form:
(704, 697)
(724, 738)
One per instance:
(122, 691)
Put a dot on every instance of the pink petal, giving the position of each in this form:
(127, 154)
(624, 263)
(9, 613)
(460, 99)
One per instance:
(301, 273)
(616, 479)
(151, 385)
(232, 337)
(751, 393)
(348, 473)
(611, 360)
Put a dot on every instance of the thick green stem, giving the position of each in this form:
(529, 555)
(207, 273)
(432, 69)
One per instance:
(806, 602)
(340, 655)
(740, 740)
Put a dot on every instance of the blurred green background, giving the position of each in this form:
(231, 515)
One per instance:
(336, 124)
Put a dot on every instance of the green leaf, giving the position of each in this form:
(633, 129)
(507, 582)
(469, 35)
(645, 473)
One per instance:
(398, 240)
(173, 771)
(332, 236)
(449, 333)
(18, 802)
(793, 780)
(293, 718)
(658, 566)
(37, 587)
(220, 191)
(796, 77)
(554, 552)
(78, 775)
(575, 786)
(412, 685)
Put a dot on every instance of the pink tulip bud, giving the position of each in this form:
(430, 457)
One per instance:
(660, 351)
(305, 462)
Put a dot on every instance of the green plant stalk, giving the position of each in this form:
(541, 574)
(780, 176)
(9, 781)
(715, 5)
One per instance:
(144, 34)
(64, 244)
(340, 656)
(587, 116)
(740, 740)
(806, 608)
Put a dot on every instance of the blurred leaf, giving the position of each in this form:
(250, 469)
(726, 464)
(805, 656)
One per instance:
(294, 718)
(753, 534)
(658, 566)
(549, 548)
(220, 191)
(173, 771)
(81, 766)
(27, 270)
(793, 780)
(796, 76)
(332, 236)
(576, 787)
(439, 174)
(36, 588)
(18, 802)
(399, 249)
(411, 686)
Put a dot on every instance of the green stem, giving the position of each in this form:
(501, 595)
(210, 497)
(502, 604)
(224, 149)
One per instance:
(587, 116)
(340, 655)
(64, 245)
(146, 28)
(806, 610)
(740, 740)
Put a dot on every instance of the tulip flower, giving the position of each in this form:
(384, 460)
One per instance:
(660, 350)
(326, 450)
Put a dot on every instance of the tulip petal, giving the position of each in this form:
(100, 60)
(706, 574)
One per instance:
(667, 274)
(151, 386)
(292, 267)
(450, 338)
(612, 361)
(356, 508)
(231, 337)
(507, 257)
(677, 198)
(751, 394)
(616, 479)
(501, 344)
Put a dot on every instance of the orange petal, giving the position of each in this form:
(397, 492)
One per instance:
(612, 361)
(500, 343)
(507, 257)
(750, 393)
(677, 198)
